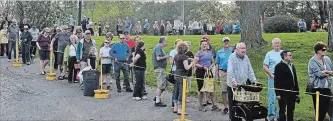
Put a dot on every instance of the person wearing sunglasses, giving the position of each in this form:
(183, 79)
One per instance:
(82, 50)
(320, 70)
(121, 52)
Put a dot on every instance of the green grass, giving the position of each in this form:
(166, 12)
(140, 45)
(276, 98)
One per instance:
(299, 43)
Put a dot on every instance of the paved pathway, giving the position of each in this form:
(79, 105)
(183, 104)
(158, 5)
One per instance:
(26, 95)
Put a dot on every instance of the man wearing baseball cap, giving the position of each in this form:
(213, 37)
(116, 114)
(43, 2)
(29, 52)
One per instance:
(26, 38)
(13, 36)
(221, 62)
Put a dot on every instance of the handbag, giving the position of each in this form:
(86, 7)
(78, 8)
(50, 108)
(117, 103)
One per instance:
(208, 85)
(171, 76)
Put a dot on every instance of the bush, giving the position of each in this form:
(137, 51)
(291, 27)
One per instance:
(281, 24)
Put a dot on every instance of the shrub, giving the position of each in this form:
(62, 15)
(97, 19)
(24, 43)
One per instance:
(280, 24)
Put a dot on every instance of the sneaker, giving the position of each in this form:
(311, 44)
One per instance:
(215, 108)
(108, 87)
(136, 98)
(9, 60)
(160, 104)
(119, 91)
(129, 90)
(144, 97)
(28, 63)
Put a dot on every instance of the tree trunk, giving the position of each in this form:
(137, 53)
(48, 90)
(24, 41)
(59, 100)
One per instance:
(321, 11)
(251, 33)
(330, 27)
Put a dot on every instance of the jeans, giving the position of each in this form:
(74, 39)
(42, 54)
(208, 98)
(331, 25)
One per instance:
(178, 90)
(11, 46)
(124, 68)
(189, 82)
(55, 64)
(271, 100)
(138, 88)
(26, 52)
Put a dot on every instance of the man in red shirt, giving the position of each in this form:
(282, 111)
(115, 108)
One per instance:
(131, 44)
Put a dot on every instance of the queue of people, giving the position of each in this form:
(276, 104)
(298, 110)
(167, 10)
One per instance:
(77, 52)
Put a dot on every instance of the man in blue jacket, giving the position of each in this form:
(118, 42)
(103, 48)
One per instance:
(121, 52)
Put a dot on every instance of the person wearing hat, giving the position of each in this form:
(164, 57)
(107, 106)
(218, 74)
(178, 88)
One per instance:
(24, 23)
(79, 33)
(159, 59)
(62, 39)
(26, 44)
(13, 36)
(34, 33)
(221, 62)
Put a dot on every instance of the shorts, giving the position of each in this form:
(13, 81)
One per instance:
(60, 58)
(44, 54)
(223, 79)
(106, 68)
(162, 83)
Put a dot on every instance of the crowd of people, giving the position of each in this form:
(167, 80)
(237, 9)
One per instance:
(75, 51)
(176, 27)
(315, 25)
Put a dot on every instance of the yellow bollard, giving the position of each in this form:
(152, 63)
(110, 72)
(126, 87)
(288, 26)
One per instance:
(182, 117)
(51, 76)
(17, 62)
(101, 93)
(317, 105)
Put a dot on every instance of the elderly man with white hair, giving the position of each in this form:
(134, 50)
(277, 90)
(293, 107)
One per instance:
(272, 58)
(238, 73)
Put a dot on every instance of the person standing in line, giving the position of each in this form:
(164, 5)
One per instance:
(138, 39)
(34, 33)
(100, 28)
(172, 55)
(168, 28)
(121, 52)
(43, 45)
(183, 66)
(189, 54)
(78, 33)
(138, 28)
(196, 27)
(159, 59)
(3, 41)
(272, 58)
(140, 61)
(84, 23)
(162, 27)
(120, 27)
(320, 71)
(221, 61)
(131, 43)
(70, 57)
(155, 28)
(238, 73)
(13, 36)
(26, 44)
(62, 39)
(286, 78)
(204, 62)
(128, 25)
(72, 23)
(106, 64)
(24, 22)
(146, 27)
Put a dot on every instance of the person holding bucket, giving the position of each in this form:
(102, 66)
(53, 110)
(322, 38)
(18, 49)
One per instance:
(204, 61)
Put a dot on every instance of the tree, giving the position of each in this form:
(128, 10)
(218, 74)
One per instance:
(251, 33)
(330, 27)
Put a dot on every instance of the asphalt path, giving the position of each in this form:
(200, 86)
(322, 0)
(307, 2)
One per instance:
(27, 95)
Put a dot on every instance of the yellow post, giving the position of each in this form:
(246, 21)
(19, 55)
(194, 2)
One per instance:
(17, 62)
(51, 76)
(182, 117)
(317, 105)
(100, 93)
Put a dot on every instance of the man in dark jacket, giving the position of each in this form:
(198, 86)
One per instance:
(26, 44)
(286, 78)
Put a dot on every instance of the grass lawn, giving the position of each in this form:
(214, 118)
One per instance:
(299, 43)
